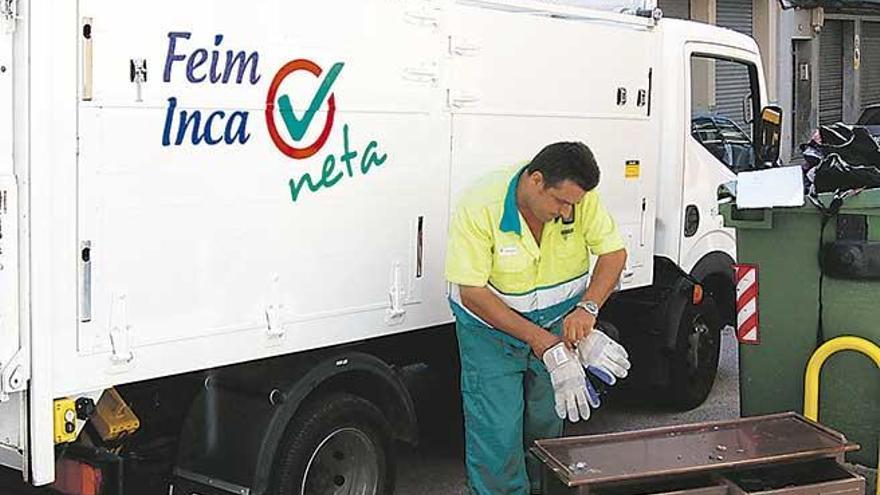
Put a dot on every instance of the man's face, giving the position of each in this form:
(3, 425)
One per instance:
(557, 201)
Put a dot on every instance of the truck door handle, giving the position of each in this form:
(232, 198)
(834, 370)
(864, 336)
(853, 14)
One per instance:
(85, 283)
(644, 223)
(87, 72)
(691, 220)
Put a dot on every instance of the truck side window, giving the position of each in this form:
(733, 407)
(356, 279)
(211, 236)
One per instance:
(724, 99)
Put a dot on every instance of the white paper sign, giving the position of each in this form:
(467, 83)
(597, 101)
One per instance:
(783, 186)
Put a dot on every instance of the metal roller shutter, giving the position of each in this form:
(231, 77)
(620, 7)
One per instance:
(678, 9)
(735, 14)
(831, 73)
(870, 64)
(732, 79)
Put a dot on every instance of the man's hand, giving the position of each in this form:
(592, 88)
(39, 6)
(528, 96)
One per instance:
(576, 326)
(606, 274)
(542, 341)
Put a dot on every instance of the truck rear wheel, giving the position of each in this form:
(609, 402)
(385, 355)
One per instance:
(694, 362)
(339, 444)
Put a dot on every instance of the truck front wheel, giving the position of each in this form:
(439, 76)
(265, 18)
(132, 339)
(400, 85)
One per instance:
(339, 444)
(694, 362)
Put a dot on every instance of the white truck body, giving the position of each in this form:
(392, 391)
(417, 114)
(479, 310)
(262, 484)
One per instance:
(198, 254)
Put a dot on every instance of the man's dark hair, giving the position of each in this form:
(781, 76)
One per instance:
(562, 161)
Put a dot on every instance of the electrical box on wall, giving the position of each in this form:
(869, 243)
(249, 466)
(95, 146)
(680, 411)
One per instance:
(807, 23)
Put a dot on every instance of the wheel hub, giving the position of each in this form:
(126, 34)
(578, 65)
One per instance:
(344, 463)
(697, 340)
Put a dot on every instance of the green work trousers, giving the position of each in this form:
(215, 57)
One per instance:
(508, 403)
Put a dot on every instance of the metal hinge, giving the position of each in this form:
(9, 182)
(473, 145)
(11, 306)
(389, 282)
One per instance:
(397, 295)
(14, 375)
(9, 15)
(138, 74)
(458, 99)
(120, 332)
(274, 311)
(424, 13)
(274, 327)
(426, 72)
(463, 47)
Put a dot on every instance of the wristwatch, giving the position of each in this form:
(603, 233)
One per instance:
(589, 306)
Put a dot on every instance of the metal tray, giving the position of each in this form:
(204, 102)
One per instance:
(688, 449)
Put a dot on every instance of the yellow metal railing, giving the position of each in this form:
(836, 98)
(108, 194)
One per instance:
(814, 367)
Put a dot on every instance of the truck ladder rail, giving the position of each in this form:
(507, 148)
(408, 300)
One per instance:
(643, 17)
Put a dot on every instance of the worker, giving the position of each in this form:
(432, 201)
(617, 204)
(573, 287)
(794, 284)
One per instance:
(520, 287)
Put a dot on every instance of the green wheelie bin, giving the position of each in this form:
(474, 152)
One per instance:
(813, 284)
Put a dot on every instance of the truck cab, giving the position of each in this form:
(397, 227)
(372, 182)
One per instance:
(709, 103)
(716, 85)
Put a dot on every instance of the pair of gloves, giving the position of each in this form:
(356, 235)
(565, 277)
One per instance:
(597, 353)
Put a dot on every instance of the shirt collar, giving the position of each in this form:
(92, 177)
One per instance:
(510, 218)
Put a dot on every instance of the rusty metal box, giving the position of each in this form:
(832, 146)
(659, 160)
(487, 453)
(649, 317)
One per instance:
(703, 459)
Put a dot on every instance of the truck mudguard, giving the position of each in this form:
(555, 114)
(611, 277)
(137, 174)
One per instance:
(712, 271)
(238, 421)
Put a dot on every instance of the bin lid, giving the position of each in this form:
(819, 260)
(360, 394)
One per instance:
(688, 449)
(829, 4)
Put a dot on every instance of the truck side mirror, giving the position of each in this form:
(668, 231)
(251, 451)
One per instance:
(771, 134)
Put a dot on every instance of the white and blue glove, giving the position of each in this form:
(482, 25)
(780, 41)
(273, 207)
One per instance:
(574, 394)
(603, 357)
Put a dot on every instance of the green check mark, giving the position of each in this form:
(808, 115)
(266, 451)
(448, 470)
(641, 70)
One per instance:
(297, 127)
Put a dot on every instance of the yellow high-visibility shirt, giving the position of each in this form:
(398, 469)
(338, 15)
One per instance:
(491, 245)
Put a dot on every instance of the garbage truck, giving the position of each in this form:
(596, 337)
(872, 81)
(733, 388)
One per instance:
(223, 228)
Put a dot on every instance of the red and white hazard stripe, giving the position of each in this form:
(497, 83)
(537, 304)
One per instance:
(747, 304)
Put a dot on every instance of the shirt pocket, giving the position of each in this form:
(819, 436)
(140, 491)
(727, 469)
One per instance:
(571, 247)
(509, 261)
(514, 271)
(570, 257)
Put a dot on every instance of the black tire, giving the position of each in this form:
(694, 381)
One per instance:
(334, 442)
(694, 363)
